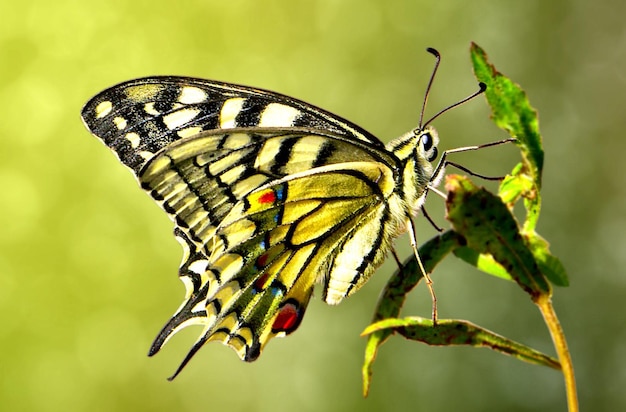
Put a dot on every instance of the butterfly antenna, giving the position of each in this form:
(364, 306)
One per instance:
(482, 87)
(430, 83)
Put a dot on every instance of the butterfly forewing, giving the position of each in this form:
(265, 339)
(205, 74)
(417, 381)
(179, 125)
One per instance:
(140, 117)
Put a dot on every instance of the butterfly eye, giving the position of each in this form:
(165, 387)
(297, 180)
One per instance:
(427, 141)
(428, 144)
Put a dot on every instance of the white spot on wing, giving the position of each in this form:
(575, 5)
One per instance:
(134, 139)
(236, 141)
(149, 108)
(120, 122)
(146, 155)
(191, 95)
(268, 153)
(199, 307)
(277, 115)
(103, 109)
(199, 266)
(231, 176)
(179, 118)
(223, 164)
(189, 131)
(229, 112)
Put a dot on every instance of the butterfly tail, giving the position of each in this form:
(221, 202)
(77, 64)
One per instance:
(196, 346)
(183, 318)
(196, 293)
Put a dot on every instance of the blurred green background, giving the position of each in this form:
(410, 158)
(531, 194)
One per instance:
(88, 263)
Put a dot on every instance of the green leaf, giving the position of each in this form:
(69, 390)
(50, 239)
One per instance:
(514, 186)
(483, 262)
(511, 111)
(549, 264)
(456, 332)
(490, 228)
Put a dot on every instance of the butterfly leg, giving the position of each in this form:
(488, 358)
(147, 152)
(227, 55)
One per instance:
(429, 281)
(432, 186)
(430, 220)
(397, 258)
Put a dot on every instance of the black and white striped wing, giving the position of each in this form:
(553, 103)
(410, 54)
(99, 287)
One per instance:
(139, 117)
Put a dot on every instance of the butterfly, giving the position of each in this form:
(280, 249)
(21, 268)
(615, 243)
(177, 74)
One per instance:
(269, 195)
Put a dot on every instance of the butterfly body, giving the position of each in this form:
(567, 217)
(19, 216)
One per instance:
(269, 195)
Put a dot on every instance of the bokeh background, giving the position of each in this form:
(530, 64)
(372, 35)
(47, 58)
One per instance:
(88, 263)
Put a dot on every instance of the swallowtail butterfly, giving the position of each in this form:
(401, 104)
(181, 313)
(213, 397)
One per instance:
(269, 196)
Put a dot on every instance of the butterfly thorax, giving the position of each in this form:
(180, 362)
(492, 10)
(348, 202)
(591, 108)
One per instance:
(415, 150)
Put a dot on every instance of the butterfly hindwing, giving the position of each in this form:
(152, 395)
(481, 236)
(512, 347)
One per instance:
(263, 230)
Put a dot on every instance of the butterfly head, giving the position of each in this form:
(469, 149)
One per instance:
(418, 145)
(415, 151)
(427, 143)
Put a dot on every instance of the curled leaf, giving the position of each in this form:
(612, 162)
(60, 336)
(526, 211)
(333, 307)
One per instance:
(457, 332)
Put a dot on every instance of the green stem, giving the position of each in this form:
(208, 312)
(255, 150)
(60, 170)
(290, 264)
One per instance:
(544, 302)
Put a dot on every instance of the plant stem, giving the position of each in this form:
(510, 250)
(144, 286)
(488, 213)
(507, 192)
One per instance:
(544, 302)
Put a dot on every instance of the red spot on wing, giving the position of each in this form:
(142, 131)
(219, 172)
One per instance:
(259, 284)
(267, 197)
(261, 261)
(288, 319)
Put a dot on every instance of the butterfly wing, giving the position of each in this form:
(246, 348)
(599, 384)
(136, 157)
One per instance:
(139, 117)
(211, 154)
(250, 273)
